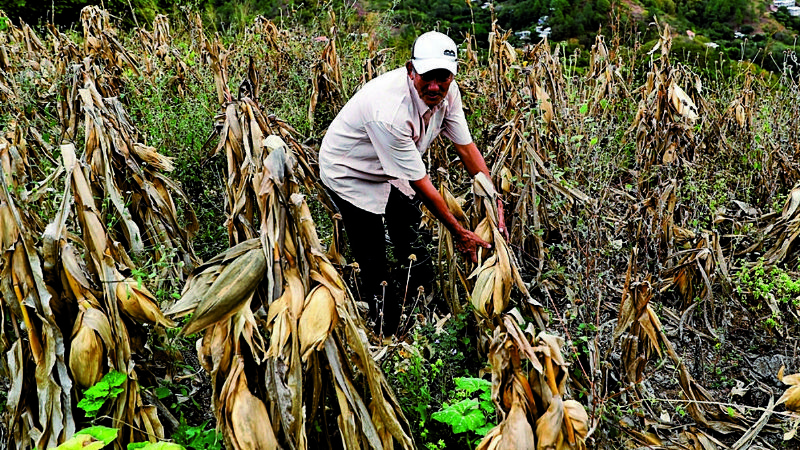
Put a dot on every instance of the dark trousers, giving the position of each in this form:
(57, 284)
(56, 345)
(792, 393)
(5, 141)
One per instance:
(366, 236)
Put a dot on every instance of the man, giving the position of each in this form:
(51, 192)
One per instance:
(371, 162)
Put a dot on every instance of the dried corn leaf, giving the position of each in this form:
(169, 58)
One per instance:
(792, 395)
(139, 303)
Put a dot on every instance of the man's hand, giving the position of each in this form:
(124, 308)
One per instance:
(474, 163)
(467, 243)
(501, 219)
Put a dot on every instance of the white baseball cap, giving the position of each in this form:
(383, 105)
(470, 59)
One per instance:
(434, 50)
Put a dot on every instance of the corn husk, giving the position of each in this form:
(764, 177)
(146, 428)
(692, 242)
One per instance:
(317, 321)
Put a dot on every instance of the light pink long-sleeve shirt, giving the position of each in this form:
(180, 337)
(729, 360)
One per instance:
(380, 136)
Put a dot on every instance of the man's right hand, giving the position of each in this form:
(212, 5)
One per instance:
(467, 243)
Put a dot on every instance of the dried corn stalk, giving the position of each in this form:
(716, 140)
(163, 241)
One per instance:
(501, 56)
(103, 309)
(785, 230)
(279, 269)
(641, 333)
(38, 367)
(605, 75)
(532, 406)
(159, 51)
(217, 56)
(545, 83)
(268, 31)
(270, 43)
(100, 41)
(326, 77)
(374, 66)
(640, 326)
(196, 32)
(664, 123)
(449, 281)
(126, 166)
(90, 273)
(159, 42)
(559, 424)
(501, 268)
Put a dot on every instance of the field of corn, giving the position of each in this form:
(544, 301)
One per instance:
(171, 266)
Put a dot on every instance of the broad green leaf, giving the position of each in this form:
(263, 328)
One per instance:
(462, 416)
(485, 429)
(98, 391)
(115, 378)
(162, 392)
(584, 108)
(473, 384)
(115, 391)
(101, 433)
(91, 405)
(161, 446)
(81, 442)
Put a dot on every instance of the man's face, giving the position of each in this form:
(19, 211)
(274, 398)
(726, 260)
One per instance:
(431, 86)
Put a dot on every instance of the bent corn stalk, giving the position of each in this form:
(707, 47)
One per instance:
(312, 334)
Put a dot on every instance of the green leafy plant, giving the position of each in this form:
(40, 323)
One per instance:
(106, 389)
(101, 433)
(762, 283)
(411, 374)
(198, 437)
(92, 438)
(155, 446)
(98, 437)
(472, 413)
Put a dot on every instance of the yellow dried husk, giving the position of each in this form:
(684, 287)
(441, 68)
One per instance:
(252, 429)
(483, 290)
(505, 180)
(514, 433)
(86, 353)
(484, 230)
(792, 395)
(317, 321)
(281, 313)
(139, 304)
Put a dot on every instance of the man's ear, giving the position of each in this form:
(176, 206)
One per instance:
(410, 69)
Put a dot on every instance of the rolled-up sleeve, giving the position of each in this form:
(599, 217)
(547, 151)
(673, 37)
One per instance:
(396, 150)
(454, 125)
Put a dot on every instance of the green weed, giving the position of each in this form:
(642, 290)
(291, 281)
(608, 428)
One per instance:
(106, 389)
(762, 284)
(199, 437)
(423, 373)
(471, 409)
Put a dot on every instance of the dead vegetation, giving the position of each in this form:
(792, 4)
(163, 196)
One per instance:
(646, 296)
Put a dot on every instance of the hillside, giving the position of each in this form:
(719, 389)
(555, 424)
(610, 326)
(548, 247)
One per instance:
(171, 266)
